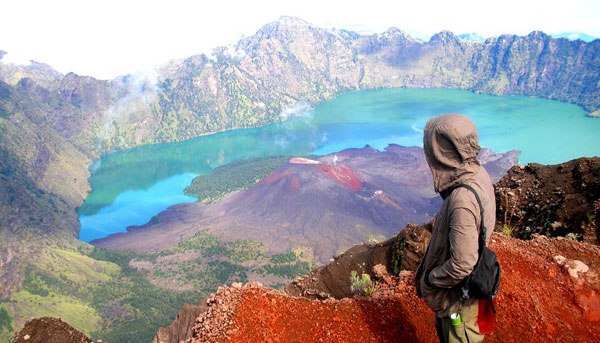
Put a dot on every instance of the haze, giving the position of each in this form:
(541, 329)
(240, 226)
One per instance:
(111, 37)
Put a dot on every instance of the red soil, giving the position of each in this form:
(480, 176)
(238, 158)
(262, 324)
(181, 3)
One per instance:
(341, 174)
(538, 302)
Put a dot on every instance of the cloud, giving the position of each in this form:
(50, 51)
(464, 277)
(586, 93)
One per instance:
(140, 91)
(301, 109)
(12, 58)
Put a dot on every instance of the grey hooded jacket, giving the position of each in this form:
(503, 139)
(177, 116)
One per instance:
(451, 146)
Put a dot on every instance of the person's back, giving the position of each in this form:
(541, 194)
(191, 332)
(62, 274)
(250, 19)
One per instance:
(451, 147)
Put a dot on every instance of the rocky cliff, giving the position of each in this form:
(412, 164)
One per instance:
(558, 200)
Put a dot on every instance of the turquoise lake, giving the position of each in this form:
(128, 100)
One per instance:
(130, 187)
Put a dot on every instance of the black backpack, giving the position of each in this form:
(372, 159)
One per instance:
(484, 280)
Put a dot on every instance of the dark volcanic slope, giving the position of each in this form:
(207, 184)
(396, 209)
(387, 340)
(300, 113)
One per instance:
(323, 206)
(557, 200)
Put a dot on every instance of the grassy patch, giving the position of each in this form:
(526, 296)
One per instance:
(84, 268)
(243, 251)
(283, 258)
(288, 270)
(60, 283)
(80, 315)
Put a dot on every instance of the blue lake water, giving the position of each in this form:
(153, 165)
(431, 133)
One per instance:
(130, 187)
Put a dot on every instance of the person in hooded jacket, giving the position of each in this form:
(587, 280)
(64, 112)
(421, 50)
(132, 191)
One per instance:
(451, 146)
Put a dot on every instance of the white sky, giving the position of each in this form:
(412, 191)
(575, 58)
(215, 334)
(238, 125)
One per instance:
(113, 37)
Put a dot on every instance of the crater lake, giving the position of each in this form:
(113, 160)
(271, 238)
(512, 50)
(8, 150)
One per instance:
(130, 187)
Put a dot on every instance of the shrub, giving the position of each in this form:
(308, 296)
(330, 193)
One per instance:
(363, 284)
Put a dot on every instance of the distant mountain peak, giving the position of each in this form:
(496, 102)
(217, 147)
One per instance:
(471, 37)
(443, 36)
(284, 28)
(538, 34)
(394, 31)
(292, 21)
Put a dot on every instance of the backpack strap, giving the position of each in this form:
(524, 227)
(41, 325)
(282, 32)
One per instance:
(464, 289)
(482, 229)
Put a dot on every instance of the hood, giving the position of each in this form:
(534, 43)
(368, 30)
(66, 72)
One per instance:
(451, 146)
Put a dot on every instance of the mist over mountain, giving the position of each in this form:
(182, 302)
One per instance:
(575, 36)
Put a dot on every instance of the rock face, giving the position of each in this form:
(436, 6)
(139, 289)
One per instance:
(182, 326)
(324, 206)
(556, 200)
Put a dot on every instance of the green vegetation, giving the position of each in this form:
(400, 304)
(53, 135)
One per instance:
(398, 254)
(233, 177)
(510, 201)
(243, 251)
(138, 301)
(508, 230)
(283, 258)
(574, 236)
(133, 309)
(6, 325)
(288, 271)
(98, 293)
(60, 283)
(34, 285)
(363, 284)
(288, 265)
(200, 241)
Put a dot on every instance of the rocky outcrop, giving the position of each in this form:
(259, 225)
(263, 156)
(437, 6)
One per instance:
(49, 330)
(182, 326)
(558, 200)
(403, 252)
